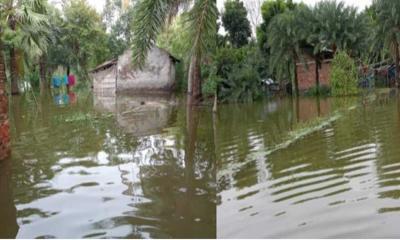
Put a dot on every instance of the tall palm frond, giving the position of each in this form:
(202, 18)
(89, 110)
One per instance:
(203, 26)
(152, 16)
(149, 20)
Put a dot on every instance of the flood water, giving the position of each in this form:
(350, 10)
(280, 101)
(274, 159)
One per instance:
(341, 181)
(87, 166)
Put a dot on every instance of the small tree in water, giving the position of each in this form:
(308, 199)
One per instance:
(344, 77)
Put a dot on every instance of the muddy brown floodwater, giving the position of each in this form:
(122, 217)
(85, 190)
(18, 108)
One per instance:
(87, 166)
(342, 181)
(99, 167)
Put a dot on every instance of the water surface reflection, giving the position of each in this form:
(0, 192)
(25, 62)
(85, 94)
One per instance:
(341, 181)
(135, 173)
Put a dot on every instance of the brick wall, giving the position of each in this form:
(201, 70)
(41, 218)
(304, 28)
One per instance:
(4, 123)
(306, 76)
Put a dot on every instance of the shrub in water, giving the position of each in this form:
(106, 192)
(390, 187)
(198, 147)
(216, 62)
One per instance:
(344, 77)
(323, 91)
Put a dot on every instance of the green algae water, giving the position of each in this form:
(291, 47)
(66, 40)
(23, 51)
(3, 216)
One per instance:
(98, 166)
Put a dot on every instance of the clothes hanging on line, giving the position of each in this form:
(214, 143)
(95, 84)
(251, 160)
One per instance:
(56, 80)
(65, 80)
(71, 80)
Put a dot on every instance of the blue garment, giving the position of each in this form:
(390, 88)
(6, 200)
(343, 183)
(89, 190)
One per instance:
(56, 82)
(65, 80)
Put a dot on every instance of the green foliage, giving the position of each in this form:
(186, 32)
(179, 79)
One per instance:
(150, 18)
(329, 25)
(80, 38)
(344, 77)
(286, 41)
(323, 90)
(386, 18)
(243, 85)
(24, 27)
(235, 22)
(120, 33)
(180, 77)
(202, 20)
(337, 27)
(270, 9)
(82, 25)
(209, 88)
(33, 78)
(175, 40)
(236, 72)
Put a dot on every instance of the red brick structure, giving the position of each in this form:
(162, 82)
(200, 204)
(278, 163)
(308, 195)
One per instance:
(306, 75)
(5, 149)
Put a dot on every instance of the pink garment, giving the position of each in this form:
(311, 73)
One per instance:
(71, 80)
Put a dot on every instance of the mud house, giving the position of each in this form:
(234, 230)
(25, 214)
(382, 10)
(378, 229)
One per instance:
(119, 74)
(306, 72)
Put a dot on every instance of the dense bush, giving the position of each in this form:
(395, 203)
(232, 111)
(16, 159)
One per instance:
(235, 73)
(210, 86)
(33, 79)
(344, 76)
(323, 90)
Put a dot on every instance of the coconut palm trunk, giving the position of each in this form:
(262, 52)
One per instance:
(191, 140)
(296, 79)
(317, 64)
(5, 149)
(396, 44)
(13, 61)
(194, 86)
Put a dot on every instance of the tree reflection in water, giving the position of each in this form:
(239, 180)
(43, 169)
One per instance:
(8, 212)
(124, 169)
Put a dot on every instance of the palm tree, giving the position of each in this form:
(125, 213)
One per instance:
(22, 17)
(151, 18)
(331, 26)
(388, 24)
(285, 40)
(340, 27)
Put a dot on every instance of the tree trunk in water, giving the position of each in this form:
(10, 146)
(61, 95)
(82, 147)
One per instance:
(397, 64)
(14, 72)
(215, 108)
(296, 80)
(290, 78)
(191, 140)
(8, 212)
(317, 75)
(43, 74)
(194, 84)
(5, 149)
